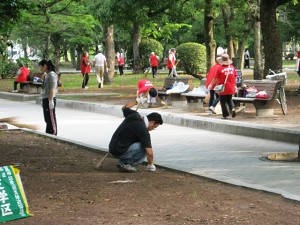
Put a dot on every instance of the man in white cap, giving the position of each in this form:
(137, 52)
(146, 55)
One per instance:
(100, 64)
(153, 59)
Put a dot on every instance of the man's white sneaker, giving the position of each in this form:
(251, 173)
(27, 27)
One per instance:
(127, 168)
(14, 91)
(212, 109)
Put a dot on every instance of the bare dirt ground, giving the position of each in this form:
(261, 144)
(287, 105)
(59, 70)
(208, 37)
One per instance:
(63, 188)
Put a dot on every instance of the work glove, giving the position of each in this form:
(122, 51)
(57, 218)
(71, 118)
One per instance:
(141, 100)
(51, 104)
(151, 168)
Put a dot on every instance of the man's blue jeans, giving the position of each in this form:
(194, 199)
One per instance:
(134, 155)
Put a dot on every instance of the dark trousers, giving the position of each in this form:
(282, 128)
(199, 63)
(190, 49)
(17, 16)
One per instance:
(16, 85)
(121, 69)
(49, 117)
(212, 100)
(226, 102)
(247, 63)
(154, 71)
(85, 80)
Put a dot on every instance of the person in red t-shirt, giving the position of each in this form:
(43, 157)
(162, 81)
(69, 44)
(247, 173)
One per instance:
(153, 59)
(121, 64)
(85, 69)
(23, 76)
(214, 97)
(172, 63)
(226, 72)
(146, 93)
(298, 63)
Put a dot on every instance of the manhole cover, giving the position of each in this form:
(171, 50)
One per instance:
(284, 157)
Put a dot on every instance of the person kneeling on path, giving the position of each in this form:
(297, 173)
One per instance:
(131, 142)
(146, 93)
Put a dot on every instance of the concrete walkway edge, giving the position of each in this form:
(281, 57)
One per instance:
(197, 122)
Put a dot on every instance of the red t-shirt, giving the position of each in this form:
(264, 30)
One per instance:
(222, 72)
(84, 68)
(153, 60)
(211, 75)
(171, 60)
(144, 85)
(23, 75)
(120, 61)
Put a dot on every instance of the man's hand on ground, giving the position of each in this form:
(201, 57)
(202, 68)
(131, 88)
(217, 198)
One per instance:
(151, 168)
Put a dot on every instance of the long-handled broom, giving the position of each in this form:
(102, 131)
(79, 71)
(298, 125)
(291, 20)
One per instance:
(13, 121)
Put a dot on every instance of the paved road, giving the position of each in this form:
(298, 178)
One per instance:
(225, 157)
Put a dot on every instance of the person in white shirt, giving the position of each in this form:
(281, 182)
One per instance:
(100, 64)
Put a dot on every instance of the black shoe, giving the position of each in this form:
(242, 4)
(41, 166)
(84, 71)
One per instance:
(233, 113)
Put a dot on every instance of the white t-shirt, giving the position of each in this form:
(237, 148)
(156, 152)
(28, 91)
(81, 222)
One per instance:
(99, 59)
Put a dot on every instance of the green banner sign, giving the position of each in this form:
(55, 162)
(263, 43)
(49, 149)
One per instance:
(13, 203)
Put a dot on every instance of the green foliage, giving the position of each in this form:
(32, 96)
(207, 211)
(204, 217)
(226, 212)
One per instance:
(8, 69)
(146, 47)
(192, 57)
(10, 11)
(25, 61)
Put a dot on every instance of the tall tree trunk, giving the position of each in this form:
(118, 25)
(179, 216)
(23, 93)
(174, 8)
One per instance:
(210, 43)
(258, 63)
(65, 47)
(79, 56)
(136, 45)
(110, 53)
(239, 56)
(48, 40)
(228, 37)
(73, 56)
(271, 37)
(56, 40)
(24, 46)
(3, 48)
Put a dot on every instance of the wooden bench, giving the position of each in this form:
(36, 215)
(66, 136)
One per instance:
(35, 74)
(32, 86)
(194, 100)
(176, 99)
(264, 107)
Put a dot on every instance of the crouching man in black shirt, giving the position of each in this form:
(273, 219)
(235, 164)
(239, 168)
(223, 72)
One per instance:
(131, 142)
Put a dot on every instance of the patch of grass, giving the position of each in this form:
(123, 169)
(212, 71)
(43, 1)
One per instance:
(127, 83)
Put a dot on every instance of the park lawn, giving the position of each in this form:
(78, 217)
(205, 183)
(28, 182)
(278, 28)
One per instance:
(72, 82)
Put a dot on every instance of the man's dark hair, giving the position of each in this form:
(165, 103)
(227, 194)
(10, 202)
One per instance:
(153, 92)
(156, 117)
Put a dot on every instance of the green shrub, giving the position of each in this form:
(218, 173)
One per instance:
(146, 47)
(192, 58)
(8, 69)
(26, 62)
